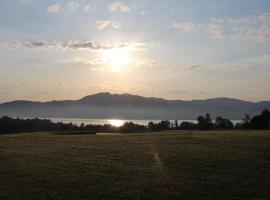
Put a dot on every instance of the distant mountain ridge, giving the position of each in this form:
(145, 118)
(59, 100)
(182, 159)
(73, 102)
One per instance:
(127, 106)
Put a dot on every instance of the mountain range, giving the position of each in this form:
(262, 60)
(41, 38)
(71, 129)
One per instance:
(127, 106)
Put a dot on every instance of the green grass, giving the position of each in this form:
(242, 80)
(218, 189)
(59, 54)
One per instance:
(169, 165)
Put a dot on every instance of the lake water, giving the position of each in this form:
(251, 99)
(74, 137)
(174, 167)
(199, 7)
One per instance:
(116, 122)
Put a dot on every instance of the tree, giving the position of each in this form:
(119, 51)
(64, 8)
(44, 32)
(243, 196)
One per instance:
(205, 123)
(200, 120)
(246, 121)
(261, 121)
(164, 125)
(130, 127)
(151, 126)
(222, 123)
(187, 126)
(176, 126)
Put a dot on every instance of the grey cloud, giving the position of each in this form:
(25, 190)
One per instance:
(71, 45)
(193, 67)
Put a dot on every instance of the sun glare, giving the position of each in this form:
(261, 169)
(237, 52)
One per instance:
(116, 122)
(117, 59)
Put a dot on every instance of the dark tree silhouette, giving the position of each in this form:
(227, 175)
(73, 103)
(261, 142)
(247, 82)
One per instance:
(163, 125)
(176, 125)
(11, 125)
(200, 120)
(261, 121)
(221, 123)
(151, 126)
(131, 127)
(204, 123)
(187, 126)
(246, 122)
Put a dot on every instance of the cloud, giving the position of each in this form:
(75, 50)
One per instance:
(119, 6)
(165, 65)
(69, 7)
(72, 45)
(72, 6)
(104, 24)
(136, 46)
(92, 64)
(54, 8)
(84, 61)
(185, 26)
(86, 7)
(252, 27)
(231, 66)
(246, 63)
(142, 13)
(24, 1)
(100, 64)
(139, 63)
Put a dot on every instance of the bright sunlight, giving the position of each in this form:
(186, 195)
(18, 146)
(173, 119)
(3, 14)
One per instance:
(117, 59)
(116, 122)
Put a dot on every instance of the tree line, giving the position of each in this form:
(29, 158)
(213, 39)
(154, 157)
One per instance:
(11, 125)
(17, 125)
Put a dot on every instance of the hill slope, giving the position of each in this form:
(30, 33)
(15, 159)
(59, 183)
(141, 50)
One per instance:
(106, 105)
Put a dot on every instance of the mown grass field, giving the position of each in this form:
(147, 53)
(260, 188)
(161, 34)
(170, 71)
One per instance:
(169, 165)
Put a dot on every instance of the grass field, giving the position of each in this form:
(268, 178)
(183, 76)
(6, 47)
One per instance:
(169, 165)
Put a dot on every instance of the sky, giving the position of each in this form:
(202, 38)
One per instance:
(173, 49)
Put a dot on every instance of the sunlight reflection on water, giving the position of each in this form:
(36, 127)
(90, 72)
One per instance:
(116, 122)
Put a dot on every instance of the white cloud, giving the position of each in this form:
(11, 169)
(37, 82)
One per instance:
(100, 64)
(87, 7)
(69, 7)
(231, 66)
(104, 24)
(185, 26)
(244, 63)
(142, 13)
(83, 61)
(54, 8)
(252, 27)
(165, 65)
(72, 6)
(119, 6)
(24, 1)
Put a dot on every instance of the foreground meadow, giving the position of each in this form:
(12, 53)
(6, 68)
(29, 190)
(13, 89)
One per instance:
(168, 165)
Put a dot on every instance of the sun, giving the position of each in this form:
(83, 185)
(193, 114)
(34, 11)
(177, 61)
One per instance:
(117, 59)
(116, 122)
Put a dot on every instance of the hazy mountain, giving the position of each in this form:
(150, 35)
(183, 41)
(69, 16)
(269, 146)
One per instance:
(106, 105)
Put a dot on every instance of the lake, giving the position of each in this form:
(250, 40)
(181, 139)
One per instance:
(116, 122)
